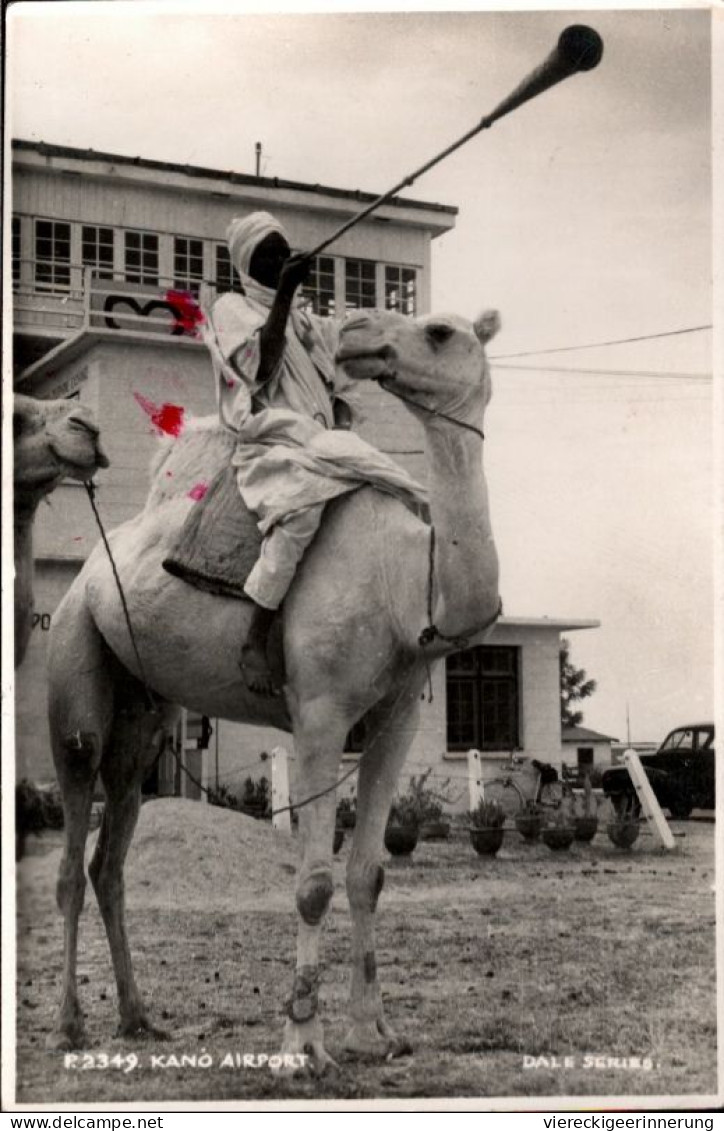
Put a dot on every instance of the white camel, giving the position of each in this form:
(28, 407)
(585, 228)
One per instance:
(348, 641)
(52, 440)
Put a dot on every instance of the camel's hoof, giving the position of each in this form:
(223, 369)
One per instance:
(376, 1039)
(303, 1050)
(66, 1040)
(140, 1028)
(398, 1046)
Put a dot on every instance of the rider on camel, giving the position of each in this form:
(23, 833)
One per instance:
(280, 392)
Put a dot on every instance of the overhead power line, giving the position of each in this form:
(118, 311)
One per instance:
(598, 345)
(658, 374)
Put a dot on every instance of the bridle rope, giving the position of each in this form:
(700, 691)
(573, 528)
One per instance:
(432, 411)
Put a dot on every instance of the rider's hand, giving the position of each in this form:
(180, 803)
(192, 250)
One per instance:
(294, 272)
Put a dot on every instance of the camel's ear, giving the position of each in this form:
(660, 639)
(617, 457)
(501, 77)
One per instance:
(487, 325)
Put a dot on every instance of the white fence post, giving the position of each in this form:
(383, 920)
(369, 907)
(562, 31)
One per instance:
(475, 778)
(280, 789)
(647, 797)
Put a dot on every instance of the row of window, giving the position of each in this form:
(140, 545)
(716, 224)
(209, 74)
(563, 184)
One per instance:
(483, 705)
(52, 267)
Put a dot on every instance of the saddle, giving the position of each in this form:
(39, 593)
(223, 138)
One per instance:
(219, 543)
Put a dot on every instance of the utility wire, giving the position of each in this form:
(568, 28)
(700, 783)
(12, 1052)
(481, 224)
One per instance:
(658, 374)
(598, 345)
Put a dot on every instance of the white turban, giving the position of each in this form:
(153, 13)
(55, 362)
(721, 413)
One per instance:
(244, 236)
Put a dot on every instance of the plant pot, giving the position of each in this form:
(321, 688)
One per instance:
(338, 840)
(623, 834)
(486, 840)
(529, 825)
(435, 830)
(558, 837)
(255, 811)
(401, 840)
(586, 828)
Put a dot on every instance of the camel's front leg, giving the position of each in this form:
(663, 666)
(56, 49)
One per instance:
(319, 738)
(391, 728)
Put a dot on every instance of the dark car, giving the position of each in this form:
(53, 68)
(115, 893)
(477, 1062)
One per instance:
(681, 772)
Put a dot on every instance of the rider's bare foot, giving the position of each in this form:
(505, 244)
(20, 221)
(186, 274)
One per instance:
(256, 671)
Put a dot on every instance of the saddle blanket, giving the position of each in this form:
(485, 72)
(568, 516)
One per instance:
(219, 543)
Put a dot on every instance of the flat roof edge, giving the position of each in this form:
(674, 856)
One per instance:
(568, 625)
(49, 149)
(69, 349)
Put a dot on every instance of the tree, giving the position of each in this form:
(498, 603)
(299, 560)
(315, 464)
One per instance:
(574, 687)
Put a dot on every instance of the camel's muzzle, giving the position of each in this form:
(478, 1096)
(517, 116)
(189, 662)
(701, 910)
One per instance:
(364, 362)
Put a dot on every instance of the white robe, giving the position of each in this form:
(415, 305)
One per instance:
(289, 457)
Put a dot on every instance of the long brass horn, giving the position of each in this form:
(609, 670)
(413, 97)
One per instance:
(579, 48)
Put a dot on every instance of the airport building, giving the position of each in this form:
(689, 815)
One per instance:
(98, 242)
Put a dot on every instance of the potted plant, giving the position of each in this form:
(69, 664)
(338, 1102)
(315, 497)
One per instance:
(586, 819)
(403, 825)
(487, 827)
(529, 821)
(254, 798)
(430, 813)
(623, 828)
(559, 833)
(346, 813)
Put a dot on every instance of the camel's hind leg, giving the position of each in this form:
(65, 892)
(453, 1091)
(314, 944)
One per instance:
(391, 728)
(80, 700)
(138, 735)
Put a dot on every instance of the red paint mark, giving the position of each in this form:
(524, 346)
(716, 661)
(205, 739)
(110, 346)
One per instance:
(169, 474)
(79, 538)
(168, 418)
(198, 491)
(186, 311)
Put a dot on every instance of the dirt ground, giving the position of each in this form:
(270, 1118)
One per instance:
(496, 970)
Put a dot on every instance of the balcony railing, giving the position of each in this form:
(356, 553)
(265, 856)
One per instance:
(52, 298)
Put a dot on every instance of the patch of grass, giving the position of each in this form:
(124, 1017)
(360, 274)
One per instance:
(481, 962)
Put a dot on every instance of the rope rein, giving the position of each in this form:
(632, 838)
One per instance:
(91, 489)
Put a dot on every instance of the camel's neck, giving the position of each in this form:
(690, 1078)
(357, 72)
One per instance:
(465, 561)
(24, 597)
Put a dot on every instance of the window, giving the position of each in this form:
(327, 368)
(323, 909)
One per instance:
(227, 278)
(142, 258)
(401, 289)
(97, 250)
(52, 255)
(482, 699)
(16, 252)
(585, 757)
(188, 264)
(320, 285)
(679, 740)
(359, 284)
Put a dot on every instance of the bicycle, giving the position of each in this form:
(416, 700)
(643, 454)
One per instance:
(528, 784)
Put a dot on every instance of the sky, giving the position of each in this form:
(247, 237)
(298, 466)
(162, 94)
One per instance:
(584, 217)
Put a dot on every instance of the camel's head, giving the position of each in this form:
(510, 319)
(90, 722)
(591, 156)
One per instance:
(52, 440)
(438, 361)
